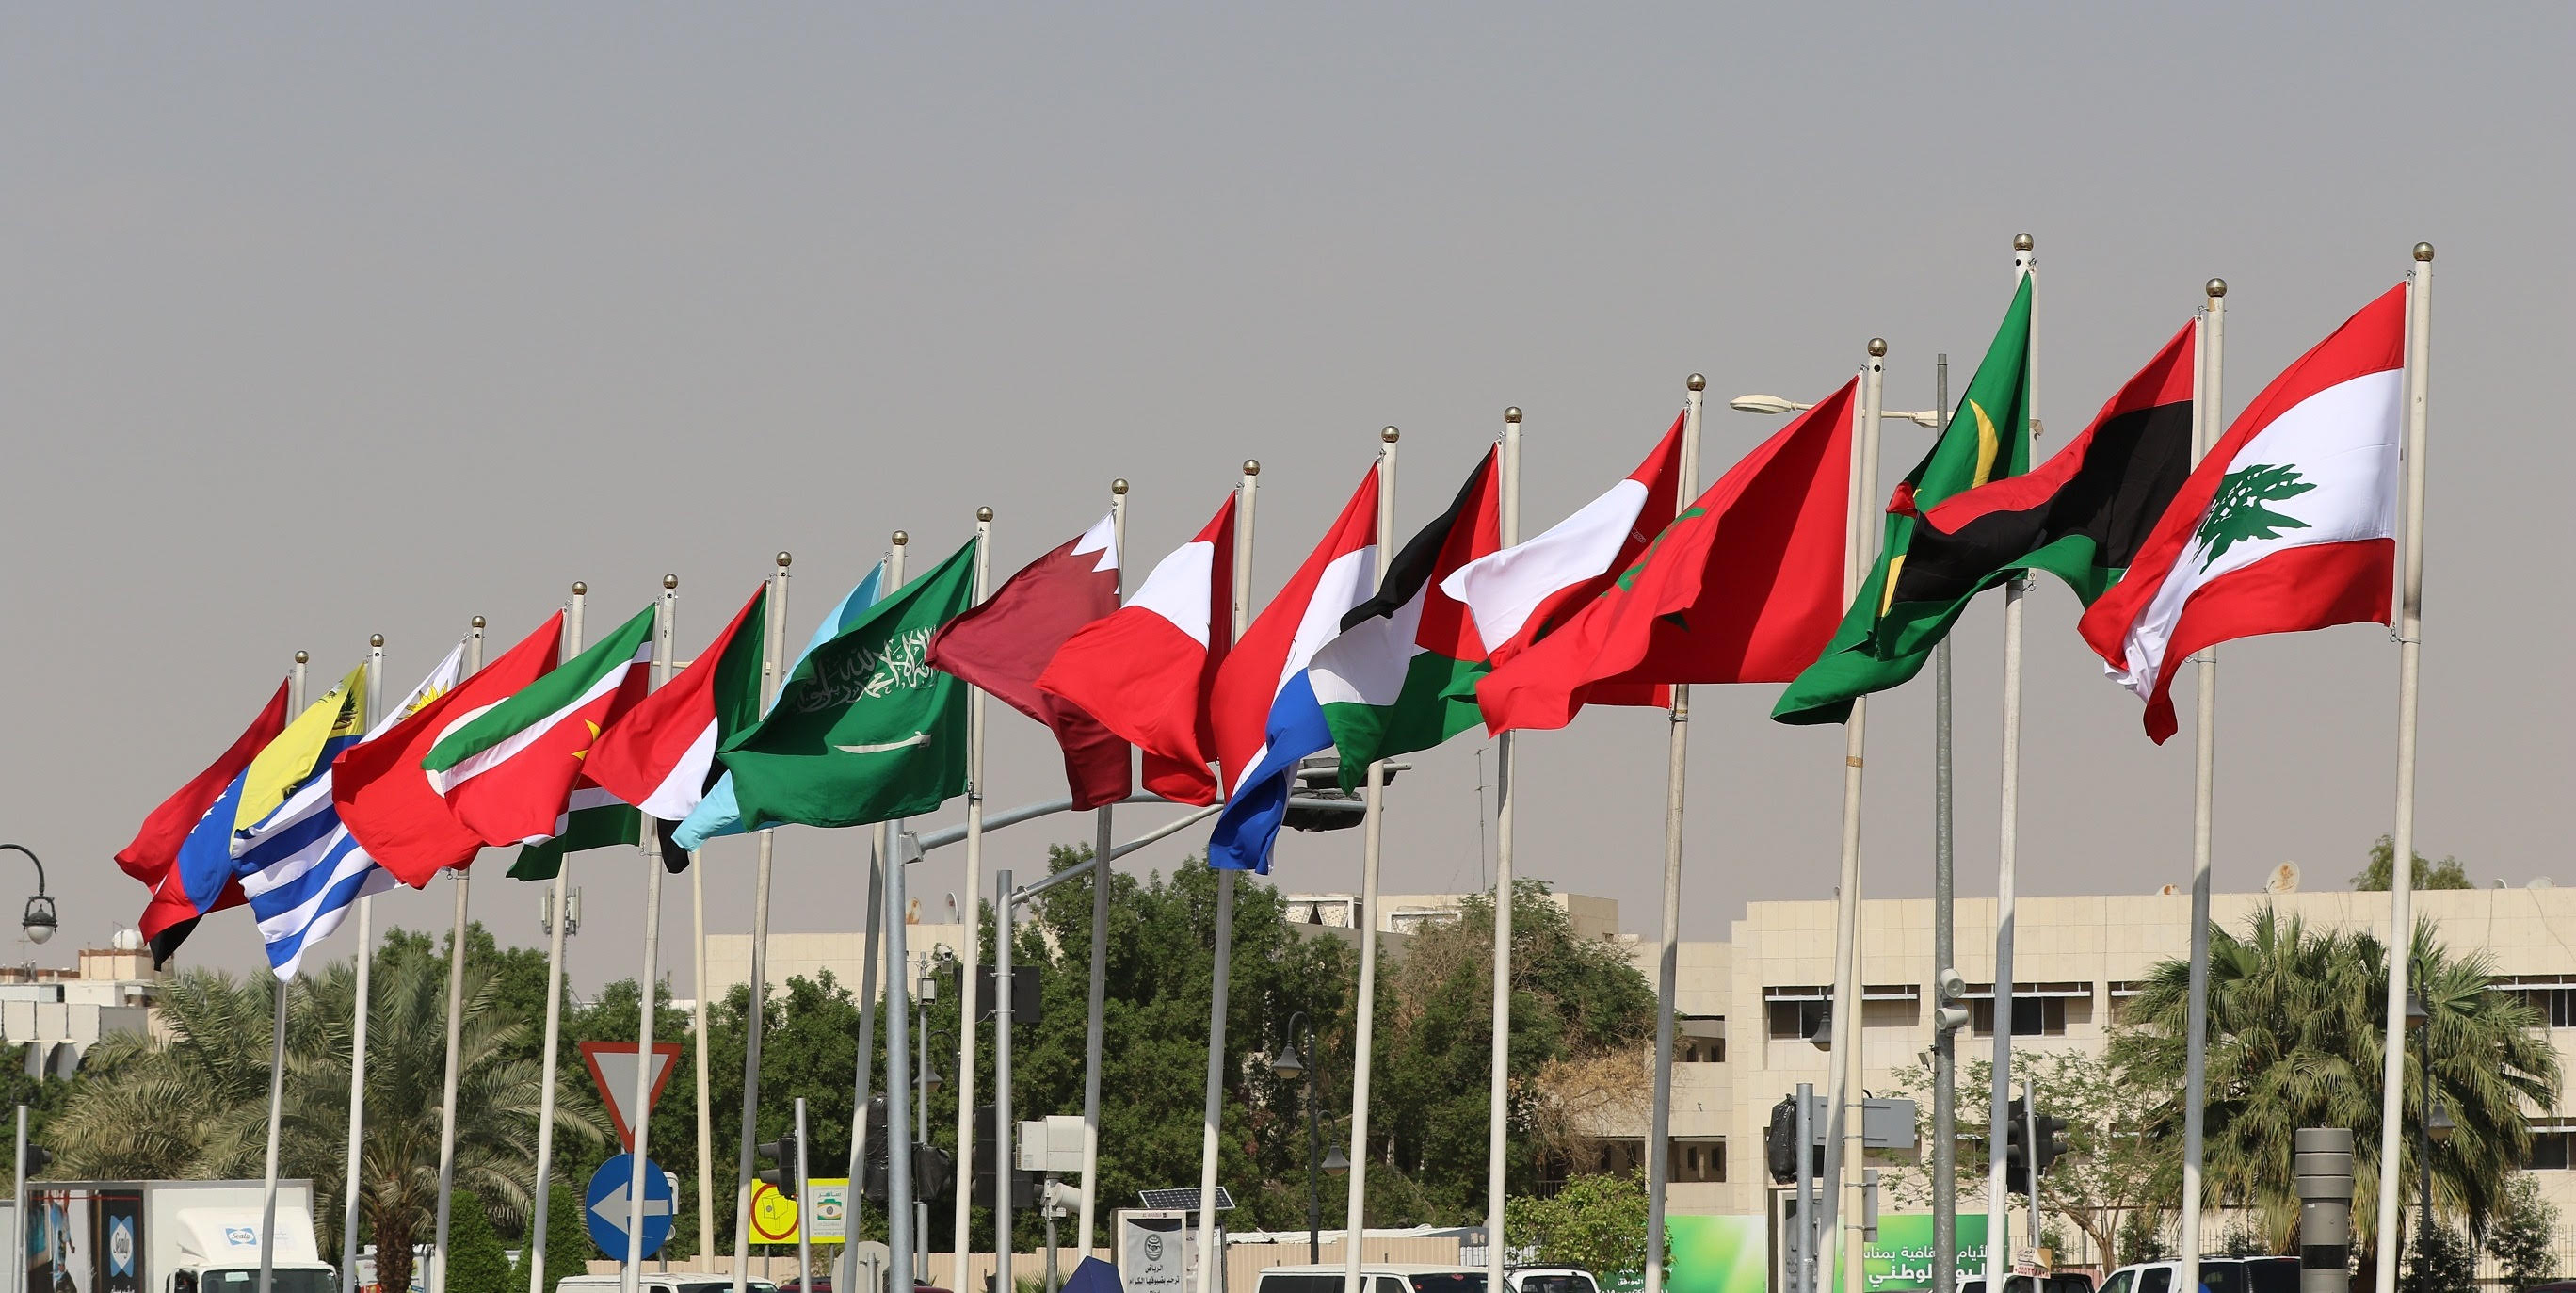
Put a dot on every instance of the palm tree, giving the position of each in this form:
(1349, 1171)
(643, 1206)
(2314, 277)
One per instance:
(197, 1105)
(2296, 1029)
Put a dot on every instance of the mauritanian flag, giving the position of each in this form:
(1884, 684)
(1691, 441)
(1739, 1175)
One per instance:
(2287, 525)
(1987, 440)
(2081, 516)
(1392, 682)
(508, 771)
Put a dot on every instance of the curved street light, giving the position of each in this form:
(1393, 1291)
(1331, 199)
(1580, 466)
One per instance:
(38, 923)
(1775, 406)
(1289, 1066)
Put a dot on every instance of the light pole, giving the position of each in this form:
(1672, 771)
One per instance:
(2435, 1129)
(1288, 1065)
(38, 924)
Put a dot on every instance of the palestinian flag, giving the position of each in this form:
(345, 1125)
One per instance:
(2081, 516)
(1401, 675)
(508, 771)
(1988, 439)
(2288, 523)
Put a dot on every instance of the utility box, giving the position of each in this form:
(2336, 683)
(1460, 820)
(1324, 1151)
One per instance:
(2322, 1170)
(1052, 1145)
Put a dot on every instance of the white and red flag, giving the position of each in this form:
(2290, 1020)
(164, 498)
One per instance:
(2287, 525)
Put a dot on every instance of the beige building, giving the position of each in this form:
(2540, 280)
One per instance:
(53, 1017)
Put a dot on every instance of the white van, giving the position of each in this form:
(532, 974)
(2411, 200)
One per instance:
(2217, 1275)
(1550, 1279)
(1375, 1277)
(662, 1282)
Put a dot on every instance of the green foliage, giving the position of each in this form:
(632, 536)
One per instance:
(475, 1261)
(2441, 1260)
(2520, 1237)
(2241, 1239)
(567, 1237)
(1597, 1222)
(2142, 1240)
(2449, 873)
(2295, 1019)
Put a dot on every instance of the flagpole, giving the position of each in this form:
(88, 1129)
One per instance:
(882, 857)
(1945, 911)
(1210, 1257)
(1498, 1072)
(1095, 1020)
(2401, 877)
(1848, 989)
(756, 1017)
(455, 1030)
(558, 904)
(698, 1051)
(358, 1014)
(899, 1210)
(1363, 920)
(665, 611)
(2208, 417)
(277, 1061)
(1999, 1096)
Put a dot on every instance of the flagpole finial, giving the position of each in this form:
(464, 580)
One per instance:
(2021, 242)
(478, 621)
(580, 589)
(1390, 435)
(1699, 381)
(377, 640)
(2423, 251)
(983, 514)
(301, 658)
(1512, 414)
(670, 581)
(1251, 466)
(1118, 486)
(901, 538)
(786, 559)
(2216, 287)
(1878, 347)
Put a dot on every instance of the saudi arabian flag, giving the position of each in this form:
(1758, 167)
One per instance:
(1988, 439)
(864, 730)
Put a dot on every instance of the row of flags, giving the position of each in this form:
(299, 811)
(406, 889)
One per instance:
(2285, 525)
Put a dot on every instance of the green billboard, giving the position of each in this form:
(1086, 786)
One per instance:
(1733, 1254)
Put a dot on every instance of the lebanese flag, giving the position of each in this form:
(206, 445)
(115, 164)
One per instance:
(1147, 670)
(1745, 585)
(661, 756)
(508, 770)
(1527, 591)
(2287, 525)
(1004, 645)
(389, 802)
(153, 858)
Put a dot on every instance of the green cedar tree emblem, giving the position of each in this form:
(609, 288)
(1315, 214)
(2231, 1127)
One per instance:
(2238, 514)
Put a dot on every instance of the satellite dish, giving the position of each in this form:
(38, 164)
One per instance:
(2285, 879)
(2542, 882)
(2166, 892)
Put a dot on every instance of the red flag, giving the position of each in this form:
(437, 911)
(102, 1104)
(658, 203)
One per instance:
(156, 846)
(660, 756)
(387, 801)
(1003, 645)
(1145, 671)
(1745, 585)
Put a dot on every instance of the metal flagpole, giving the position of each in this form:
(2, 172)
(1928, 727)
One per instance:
(1364, 918)
(276, 1065)
(1506, 766)
(1945, 1041)
(1210, 1257)
(1668, 960)
(1856, 520)
(879, 849)
(755, 1020)
(358, 1014)
(1849, 990)
(698, 1051)
(1999, 1100)
(1004, 1166)
(1095, 1018)
(664, 612)
(2401, 877)
(2208, 419)
(969, 1017)
(455, 1032)
(557, 904)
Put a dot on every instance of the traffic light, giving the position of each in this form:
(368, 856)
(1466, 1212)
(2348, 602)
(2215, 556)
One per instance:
(38, 1159)
(2016, 1151)
(1780, 1139)
(934, 1173)
(1319, 776)
(872, 1179)
(1021, 1182)
(782, 1176)
(2052, 1141)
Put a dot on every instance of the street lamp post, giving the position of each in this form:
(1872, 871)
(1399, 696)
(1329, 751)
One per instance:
(2435, 1129)
(1287, 1064)
(38, 923)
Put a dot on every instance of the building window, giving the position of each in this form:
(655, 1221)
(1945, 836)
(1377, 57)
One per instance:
(1794, 1014)
(1699, 1039)
(2552, 996)
(2124, 999)
(1701, 1160)
(2550, 1149)
(2038, 1009)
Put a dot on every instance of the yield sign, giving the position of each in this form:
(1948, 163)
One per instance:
(612, 1070)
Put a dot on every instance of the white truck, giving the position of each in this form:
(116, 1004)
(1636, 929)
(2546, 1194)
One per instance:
(168, 1237)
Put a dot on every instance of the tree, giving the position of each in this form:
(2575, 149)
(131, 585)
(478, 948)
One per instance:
(568, 1236)
(2295, 1020)
(1597, 1222)
(2449, 873)
(475, 1262)
(2441, 1260)
(2521, 1236)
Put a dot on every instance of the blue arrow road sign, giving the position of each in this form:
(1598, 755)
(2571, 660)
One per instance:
(604, 1206)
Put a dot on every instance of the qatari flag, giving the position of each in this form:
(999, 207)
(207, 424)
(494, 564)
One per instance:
(1003, 645)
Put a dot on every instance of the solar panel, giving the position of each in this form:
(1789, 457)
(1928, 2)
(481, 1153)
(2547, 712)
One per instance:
(1184, 1200)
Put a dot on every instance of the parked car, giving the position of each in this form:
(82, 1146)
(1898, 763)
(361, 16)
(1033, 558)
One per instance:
(1376, 1277)
(1550, 1279)
(2217, 1275)
(662, 1282)
(2061, 1282)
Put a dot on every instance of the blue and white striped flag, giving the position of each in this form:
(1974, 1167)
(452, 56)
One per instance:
(301, 868)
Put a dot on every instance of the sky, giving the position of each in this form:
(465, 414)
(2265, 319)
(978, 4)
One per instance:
(322, 321)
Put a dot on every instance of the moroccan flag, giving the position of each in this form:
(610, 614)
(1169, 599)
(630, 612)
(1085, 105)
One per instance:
(508, 773)
(1988, 439)
(1743, 586)
(153, 858)
(865, 730)
(1147, 671)
(2286, 525)
(387, 800)
(1003, 645)
(1401, 676)
(2081, 516)
(661, 756)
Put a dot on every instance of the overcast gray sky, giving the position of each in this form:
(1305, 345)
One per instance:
(322, 321)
